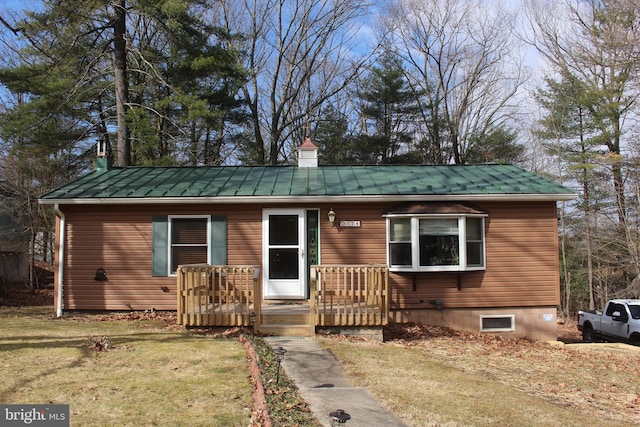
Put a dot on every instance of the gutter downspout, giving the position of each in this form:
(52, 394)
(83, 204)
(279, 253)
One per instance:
(60, 258)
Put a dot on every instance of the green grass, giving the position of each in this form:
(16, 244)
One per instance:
(151, 377)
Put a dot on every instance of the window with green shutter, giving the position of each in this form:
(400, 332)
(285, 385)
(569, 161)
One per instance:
(187, 239)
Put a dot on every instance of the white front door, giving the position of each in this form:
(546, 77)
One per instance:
(283, 249)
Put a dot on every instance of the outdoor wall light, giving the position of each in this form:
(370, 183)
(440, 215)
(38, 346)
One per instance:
(332, 217)
(101, 275)
(338, 417)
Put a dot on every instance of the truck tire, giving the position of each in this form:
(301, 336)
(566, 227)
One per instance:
(588, 334)
(634, 340)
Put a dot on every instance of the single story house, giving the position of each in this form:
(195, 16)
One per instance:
(473, 247)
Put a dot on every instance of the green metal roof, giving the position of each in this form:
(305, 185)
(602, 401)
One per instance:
(282, 183)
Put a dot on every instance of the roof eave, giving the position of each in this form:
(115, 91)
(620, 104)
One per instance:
(309, 199)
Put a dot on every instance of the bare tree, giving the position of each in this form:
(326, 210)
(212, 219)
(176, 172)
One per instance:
(597, 43)
(123, 144)
(463, 56)
(300, 54)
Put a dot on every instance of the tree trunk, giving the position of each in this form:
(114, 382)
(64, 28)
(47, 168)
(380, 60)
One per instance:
(123, 146)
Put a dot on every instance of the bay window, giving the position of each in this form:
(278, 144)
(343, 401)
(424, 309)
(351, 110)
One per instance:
(435, 243)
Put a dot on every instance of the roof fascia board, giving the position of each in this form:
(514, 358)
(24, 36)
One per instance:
(310, 199)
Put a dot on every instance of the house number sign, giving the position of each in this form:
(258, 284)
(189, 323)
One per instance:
(350, 224)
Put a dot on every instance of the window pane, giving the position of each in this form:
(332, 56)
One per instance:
(400, 229)
(400, 254)
(283, 229)
(188, 255)
(439, 227)
(475, 247)
(439, 250)
(439, 242)
(189, 231)
(283, 263)
(614, 307)
(475, 257)
(497, 323)
(474, 228)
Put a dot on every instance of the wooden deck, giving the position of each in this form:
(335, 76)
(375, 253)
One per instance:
(340, 295)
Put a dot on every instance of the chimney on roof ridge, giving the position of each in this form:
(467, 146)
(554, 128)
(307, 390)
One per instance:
(307, 154)
(102, 163)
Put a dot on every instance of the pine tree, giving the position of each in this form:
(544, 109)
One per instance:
(388, 111)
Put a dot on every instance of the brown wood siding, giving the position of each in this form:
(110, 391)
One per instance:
(521, 244)
(521, 264)
(244, 234)
(522, 267)
(362, 245)
(117, 239)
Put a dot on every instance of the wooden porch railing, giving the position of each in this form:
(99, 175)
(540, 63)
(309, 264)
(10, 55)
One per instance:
(210, 295)
(350, 295)
(340, 295)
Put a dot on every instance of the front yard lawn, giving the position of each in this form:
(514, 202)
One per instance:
(142, 369)
(149, 374)
(433, 376)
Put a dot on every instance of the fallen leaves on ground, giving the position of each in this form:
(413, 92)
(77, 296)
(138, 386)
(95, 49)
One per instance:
(26, 297)
(599, 379)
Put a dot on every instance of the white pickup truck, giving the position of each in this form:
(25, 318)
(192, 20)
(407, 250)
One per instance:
(620, 321)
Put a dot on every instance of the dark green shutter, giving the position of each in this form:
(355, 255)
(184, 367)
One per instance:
(159, 246)
(218, 240)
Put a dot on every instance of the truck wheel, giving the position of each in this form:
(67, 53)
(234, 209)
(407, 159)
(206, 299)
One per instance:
(635, 340)
(588, 334)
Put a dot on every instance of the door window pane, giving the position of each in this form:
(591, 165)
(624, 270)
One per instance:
(283, 263)
(283, 230)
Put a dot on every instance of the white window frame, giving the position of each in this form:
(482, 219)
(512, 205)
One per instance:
(415, 244)
(170, 244)
(512, 317)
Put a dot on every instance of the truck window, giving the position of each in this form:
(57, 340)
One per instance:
(613, 307)
(635, 311)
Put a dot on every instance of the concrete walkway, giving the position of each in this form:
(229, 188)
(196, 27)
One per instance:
(322, 383)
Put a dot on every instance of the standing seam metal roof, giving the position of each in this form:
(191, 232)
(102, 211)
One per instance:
(291, 181)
